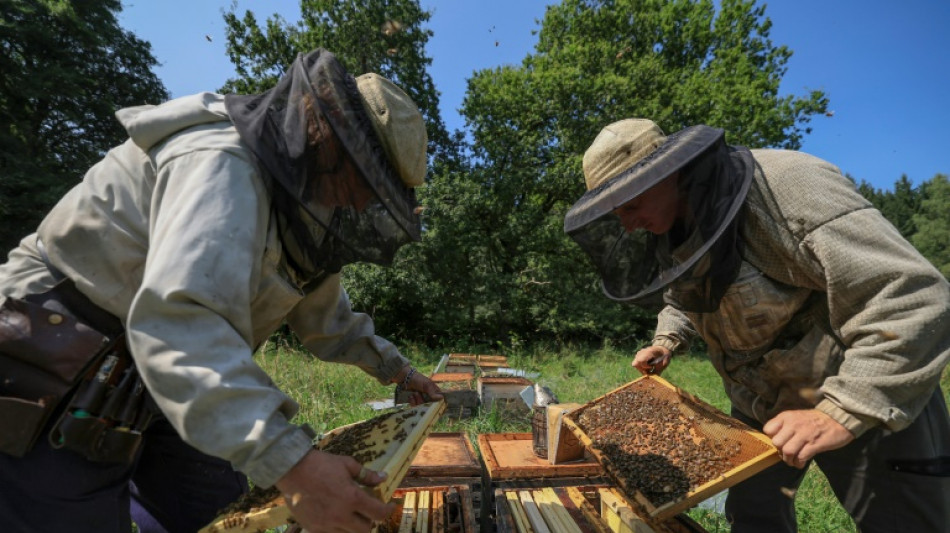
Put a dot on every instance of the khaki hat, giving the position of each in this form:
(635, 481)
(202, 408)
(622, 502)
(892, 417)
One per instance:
(618, 147)
(398, 124)
(630, 156)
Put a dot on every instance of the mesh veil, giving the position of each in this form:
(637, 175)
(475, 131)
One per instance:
(337, 197)
(690, 266)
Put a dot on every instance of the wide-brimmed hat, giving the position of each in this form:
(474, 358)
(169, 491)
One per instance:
(630, 156)
(399, 125)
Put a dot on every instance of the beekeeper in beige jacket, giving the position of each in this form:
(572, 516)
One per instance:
(829, 330)
(217, 221)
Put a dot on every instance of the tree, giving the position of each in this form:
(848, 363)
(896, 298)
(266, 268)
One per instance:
(679, 63)
(383, 36)
(67, 67)
(494, 263)
(932, 238)
(899, 207)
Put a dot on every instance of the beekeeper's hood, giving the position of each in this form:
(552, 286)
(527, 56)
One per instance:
(699, 258)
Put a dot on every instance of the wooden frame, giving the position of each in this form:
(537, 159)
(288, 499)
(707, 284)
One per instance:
(444, 509)
(707, 416)
(394, 458)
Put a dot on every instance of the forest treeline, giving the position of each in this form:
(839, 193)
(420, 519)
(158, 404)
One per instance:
(494, 266)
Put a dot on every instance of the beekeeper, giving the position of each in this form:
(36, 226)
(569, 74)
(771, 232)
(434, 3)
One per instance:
(219, 220)
(829, 330)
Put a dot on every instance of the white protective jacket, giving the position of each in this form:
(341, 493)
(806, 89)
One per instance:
(173, 233)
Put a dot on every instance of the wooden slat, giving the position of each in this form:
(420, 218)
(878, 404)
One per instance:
(517, 510)
(408, 513)
(504, 518)
(581, 509)
(629, 521)
(534, 514)
(564, 516)
(550, 509)
(422, 512)
(438, 512)
(469, 524)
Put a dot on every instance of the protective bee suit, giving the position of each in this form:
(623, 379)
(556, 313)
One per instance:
(807, 299)
(217, 221)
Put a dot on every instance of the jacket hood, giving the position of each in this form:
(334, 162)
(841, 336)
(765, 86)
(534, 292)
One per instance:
(149, 125)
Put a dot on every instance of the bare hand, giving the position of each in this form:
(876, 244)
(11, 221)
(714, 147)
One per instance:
(421, 389)
(800, 435)
(324, 493)
(652, 360)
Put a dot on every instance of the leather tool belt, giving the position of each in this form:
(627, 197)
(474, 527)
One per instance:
(63, 356)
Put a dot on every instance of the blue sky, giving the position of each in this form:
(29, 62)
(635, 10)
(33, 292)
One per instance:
(884, 65)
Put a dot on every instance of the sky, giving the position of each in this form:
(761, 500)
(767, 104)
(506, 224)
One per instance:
(884, 65)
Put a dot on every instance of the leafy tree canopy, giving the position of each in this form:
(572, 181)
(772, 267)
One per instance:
(67, 67)
(678, 62)
(932, 223)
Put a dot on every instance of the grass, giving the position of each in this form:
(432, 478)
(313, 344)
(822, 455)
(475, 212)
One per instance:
(332, 395)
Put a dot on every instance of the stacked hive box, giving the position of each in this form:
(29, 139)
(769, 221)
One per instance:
(448, 460)
(509, 463)
(475, 363)
(436, 509)
(459, 390)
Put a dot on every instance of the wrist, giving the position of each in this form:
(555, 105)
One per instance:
(401, 379)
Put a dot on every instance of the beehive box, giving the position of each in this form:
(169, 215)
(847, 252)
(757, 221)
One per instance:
(502, 392)
(511, 456)
(445, 455)
(476, 363)
(665, 449)
(547, 509)
(509, 462)
(459, 390)
(437, 509)
(575, 509)
(387, 443)
(447, 459)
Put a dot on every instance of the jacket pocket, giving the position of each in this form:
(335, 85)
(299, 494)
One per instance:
(755, 310)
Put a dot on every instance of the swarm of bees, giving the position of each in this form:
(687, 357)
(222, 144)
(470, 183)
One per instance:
(655, 445)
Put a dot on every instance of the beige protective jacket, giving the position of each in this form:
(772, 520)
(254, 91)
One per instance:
(173, 233)
(807, 228)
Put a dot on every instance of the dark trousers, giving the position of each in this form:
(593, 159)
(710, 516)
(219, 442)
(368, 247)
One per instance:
(170, 488)
(887, 481)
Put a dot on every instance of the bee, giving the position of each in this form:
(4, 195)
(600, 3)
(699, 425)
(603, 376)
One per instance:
(391, 27)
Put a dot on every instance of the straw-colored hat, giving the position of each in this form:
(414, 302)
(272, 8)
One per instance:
(618, 147)
(398, 124)
(630, 156)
